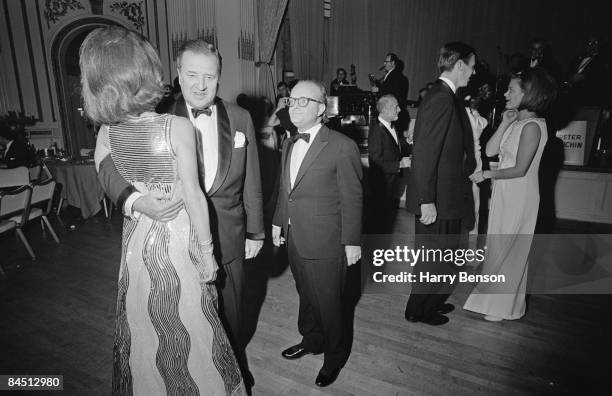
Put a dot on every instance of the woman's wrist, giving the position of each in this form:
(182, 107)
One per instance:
(486, 174)
(207, 245)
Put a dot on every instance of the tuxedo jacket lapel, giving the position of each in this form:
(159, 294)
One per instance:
(394, 144)
(226, 140)
(287, 164)
(318, 144)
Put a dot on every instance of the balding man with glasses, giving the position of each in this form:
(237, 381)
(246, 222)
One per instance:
(318, 216)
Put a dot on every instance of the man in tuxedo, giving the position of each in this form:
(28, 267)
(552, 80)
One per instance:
(395, 83)
(229, 174)
(541, 56)
(589, 82)
(340, 79)
(319, 212)
(442, 160)
(387, 155)
(15, 151)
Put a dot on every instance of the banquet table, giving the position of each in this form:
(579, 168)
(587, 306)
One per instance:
(80, 186)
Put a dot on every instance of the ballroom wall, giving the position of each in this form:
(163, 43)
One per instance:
(30, 28)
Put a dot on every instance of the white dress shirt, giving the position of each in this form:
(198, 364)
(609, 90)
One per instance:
(389, 128)
(207, 127)
(300, 148)
(450, 83)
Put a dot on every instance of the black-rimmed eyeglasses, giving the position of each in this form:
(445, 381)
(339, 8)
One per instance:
(302, 102)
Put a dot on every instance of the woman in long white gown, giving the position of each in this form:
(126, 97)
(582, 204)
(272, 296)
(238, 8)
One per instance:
(519, 142)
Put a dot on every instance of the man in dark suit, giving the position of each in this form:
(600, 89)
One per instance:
(229, 174)
(589, 76)
(442, 160)
(395, 83)
(15, 151)
(337, 82)
(387, 155)
(319, 211)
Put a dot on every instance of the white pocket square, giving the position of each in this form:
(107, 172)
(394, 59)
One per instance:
(239, 140)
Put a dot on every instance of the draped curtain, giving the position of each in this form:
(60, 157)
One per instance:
(269, 18)
(362, 31)
(307, 35)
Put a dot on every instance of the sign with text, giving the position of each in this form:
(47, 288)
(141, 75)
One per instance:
(574, 142)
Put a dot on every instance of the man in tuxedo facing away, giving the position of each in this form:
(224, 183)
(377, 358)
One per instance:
(442, 160)
(319, 211)
(229, 174)
(387, 155)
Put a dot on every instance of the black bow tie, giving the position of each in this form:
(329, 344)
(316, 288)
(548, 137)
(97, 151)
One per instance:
(196, 112)
(298, 136)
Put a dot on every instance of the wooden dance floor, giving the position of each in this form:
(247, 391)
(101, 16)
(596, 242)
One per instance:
(58, 315)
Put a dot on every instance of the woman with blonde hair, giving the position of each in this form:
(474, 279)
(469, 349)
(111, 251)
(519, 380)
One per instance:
(168, 336)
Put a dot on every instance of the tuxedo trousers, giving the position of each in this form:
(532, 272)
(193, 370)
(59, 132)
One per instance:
(320, 286)
(230, 279)
(427, 297)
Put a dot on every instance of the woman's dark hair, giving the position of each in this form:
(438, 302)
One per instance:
(540, 90)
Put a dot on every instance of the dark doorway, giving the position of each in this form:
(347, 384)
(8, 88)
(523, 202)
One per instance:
(79, 132)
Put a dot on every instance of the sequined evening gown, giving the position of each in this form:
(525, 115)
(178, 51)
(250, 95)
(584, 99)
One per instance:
(168, 336)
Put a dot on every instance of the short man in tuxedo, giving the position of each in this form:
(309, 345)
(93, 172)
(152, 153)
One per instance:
(229, 174)
(442, 160)
(387, 155)
(319, 211)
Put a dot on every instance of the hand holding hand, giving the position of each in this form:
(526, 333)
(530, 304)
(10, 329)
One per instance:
(353, 254)
(428, 213)
(154, 205)
(277, 239)
(405, 162)
(252, 248)
(477, 177)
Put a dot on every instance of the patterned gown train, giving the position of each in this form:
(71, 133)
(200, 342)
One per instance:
(512, 220)
(168, 336)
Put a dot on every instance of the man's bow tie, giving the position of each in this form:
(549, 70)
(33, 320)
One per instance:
(197, 112)
(298, 136)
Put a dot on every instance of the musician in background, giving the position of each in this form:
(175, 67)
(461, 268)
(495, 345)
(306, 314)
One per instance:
(394, 83)
(340, 79)
(589, 82)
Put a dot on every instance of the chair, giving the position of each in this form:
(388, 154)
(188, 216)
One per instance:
(14, 212)
(15, 177)
(41, 204)
(34, 172)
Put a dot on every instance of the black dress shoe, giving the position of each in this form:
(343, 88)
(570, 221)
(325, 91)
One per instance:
(295, 352)
(446, 309)
(435, 320)
(327, 378)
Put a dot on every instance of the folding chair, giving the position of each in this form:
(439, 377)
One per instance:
(41, 204)
(15, 177)
(14, 212)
